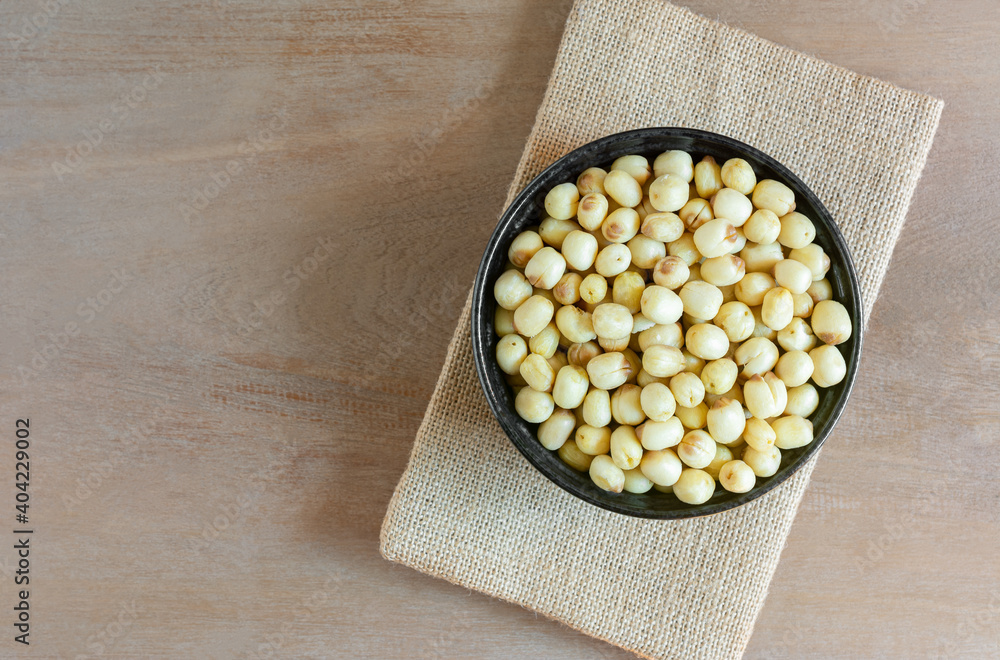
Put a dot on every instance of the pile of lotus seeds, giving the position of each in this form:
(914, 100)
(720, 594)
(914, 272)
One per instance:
(667, 326)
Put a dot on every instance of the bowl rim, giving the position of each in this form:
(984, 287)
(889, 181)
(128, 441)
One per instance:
(480, 340)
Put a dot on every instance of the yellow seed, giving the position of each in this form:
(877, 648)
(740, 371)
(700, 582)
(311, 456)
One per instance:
(797, 336)
(831, 322)
(593, 440)
(792, 275)
(503, 321)
(726, 270)
(545, 269)
(621, 225)
(670, 272)
(777, 307)
(678, 163)
(573, 457)
(668, 334)
(554, 231)
(561, 201)
(627, 291)
(797, 231)
(546, 342)
(792, 432)
(556, 430)
(597, 408)
(761, 258)
(707, 341)
(661, 361)
(570, 386)
(536, 371)
(660, 305)
(736, 320)
(591, 180)
(715, 238)
(732, 205)
(719, 376)
(661, 435)
(701, 300)
(707, 177)
(575, 324)
(726, 421)
(687, 388)
(533, 315)
(685, 248)
(764, 463)
(626, 450)
(511, 289)
(695, 213)
(829, 367)
(794, 368)
(620, 186)
(612, 321)
(593, 288)
(757, 356)
(814, 258)
(533, 406)
(613, 260)
(511, 351)
(606, 474)
(661, 466)
(693, 418)
(694, 487)
(524, 247)
(635, 165)
(722, 456)
(759, 434)
(773, 196)
(581, 354)
(752, 288)
(737, 477)
(802, 400)
(657, 402)
(765, 397)
(739, 175)
(626, 406)
(609, 370)
(646, 252)
(762, 227)
(668, 193)
(636, 482)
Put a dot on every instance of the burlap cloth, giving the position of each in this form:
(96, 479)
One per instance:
(471, 510)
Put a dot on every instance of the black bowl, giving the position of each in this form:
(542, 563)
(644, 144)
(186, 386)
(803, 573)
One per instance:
(528, 209)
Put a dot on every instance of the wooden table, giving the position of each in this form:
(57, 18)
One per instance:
(236, 237)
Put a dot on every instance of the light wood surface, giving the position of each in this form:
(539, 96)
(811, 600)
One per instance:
(215, 446)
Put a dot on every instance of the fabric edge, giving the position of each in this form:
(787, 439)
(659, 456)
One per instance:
(384, 531)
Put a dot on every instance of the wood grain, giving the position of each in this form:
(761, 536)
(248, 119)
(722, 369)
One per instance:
(215, 445)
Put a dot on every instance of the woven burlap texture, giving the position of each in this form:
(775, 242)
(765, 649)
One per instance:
(471, 510)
